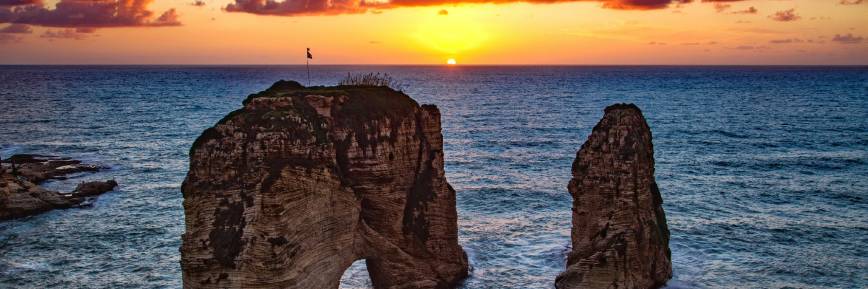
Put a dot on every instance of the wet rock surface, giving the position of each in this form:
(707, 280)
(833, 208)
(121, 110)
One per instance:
(619, 237)
(291, 189)
(21, 196)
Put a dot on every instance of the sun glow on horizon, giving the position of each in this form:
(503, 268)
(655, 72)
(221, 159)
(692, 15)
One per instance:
(451, 61)
(452, 34)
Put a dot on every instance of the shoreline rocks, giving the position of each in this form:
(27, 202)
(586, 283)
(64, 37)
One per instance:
(40, 168)
(619, 236)
(291, 189)
(21, 196)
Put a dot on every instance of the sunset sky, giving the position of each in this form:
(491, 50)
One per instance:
(432, 31)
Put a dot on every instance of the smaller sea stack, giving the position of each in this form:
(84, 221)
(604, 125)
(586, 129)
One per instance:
(619, 237)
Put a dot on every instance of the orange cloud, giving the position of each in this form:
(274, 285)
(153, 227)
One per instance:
(847, 39)
(638, 4)
(88, 13)
(720, 7)
(296, 7)
(785, 16)
(749, 10)
(17, 29)
(66, 33)
(9, 38)
(331, 7)
(785, 41)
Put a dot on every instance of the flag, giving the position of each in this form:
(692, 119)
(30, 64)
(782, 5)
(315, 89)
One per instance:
(309, 56)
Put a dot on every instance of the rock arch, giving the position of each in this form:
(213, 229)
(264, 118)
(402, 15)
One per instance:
(290, 190)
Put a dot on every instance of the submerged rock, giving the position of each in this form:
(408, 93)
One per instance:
(20, 196)
(94, 188)
(290, 190)
(619, 237)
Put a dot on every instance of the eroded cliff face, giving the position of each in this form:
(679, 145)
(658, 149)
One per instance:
(291, 189)
(619, 235)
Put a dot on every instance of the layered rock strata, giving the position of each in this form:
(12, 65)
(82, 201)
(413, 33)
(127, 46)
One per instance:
(20, 196)
(291, 189)
(619, 237)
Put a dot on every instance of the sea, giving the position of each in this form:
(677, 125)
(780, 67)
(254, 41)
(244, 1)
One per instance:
(763, 170)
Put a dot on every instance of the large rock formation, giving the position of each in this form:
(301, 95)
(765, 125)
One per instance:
(619, 236)
(20, 196)
(291, 189)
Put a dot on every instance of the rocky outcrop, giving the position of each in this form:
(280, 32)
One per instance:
(619, 235)
(39, 168)
(291, 189)
(95, 188)
(20, 196)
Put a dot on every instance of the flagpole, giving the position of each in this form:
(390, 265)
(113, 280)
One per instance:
(307, 58)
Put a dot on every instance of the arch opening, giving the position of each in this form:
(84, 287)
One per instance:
(356, 276)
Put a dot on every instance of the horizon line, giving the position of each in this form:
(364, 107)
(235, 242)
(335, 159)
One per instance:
(432, 65)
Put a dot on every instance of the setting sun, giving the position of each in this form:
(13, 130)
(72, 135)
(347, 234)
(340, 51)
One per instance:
(451, 61)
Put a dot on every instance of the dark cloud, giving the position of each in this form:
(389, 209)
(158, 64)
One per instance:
(723, 5)
(17, 29)
(96, 14)
(638, 4)
(19, 2)
(443, 12)
(719, 5)
(331, 7)
(6, 38)
(785, 16)
(296, 7)
(785, 41)
(198, 3)
(65, 33)
(756, 30)
(749, 10)
(851, 2)
(168, 18)
(749, 47)
(847, 38)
